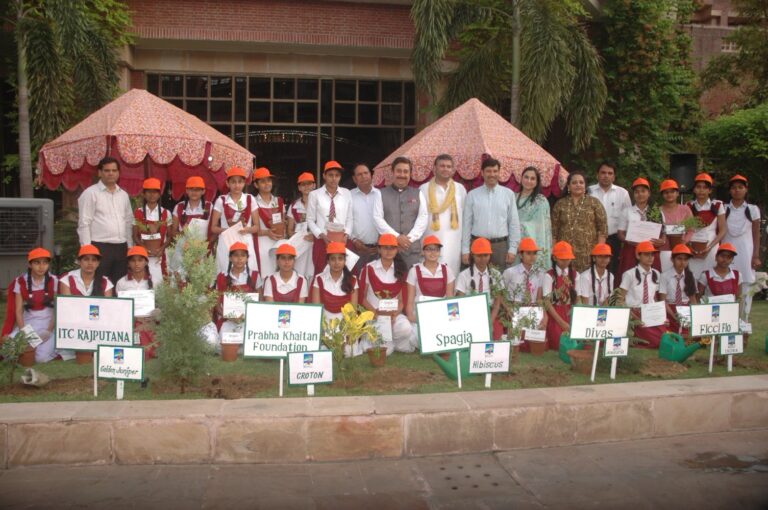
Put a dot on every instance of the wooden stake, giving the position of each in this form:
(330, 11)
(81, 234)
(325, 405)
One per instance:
(458, 367)
(282, 363)
(310, 390)
(712, 354)
(594, 359)
(95, 375)
(120, 390)
(614, 362)
(488, 380)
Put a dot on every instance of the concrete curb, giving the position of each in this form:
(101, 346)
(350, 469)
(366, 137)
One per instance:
(352, 428)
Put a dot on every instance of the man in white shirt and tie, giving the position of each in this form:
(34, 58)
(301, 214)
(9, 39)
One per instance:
(106, 219)
(615, 200)
(364, 233)
(329, 206)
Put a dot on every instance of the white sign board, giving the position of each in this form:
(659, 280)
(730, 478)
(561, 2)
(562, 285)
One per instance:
(731, 344)
(123, 363)
(272, 330)
(717, 319)
(489, 357)
(615, 347)
(143, 301)
(310, 367)
(597, 323)
(233, 305)
(84, 322)
(452, 324)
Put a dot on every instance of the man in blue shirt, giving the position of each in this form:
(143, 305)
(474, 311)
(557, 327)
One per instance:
(490, 211)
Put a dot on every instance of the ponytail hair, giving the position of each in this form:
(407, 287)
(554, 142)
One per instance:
(98, 285)
(594, 277)
(347, 281)
(249, 281)
(401, 268)
(148, 276)
(48, 299)
(472, 285)
(229, 275)
(654, 276)
(690, 283)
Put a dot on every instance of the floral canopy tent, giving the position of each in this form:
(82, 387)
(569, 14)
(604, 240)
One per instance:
(471, 133)
(149, 136)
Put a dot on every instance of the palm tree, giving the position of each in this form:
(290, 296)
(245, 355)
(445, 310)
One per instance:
(536, 53)
(67, 66)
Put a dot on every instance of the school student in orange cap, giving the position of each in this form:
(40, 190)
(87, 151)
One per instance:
(270, 216)
(678, 286)
(559, 289)
(298, 231)
(711, 212)
(721, 280)
(194, 206)
(673, 213)
(286, 285)
(597, 283)
(139, 278)
(480, 277)
(641, 285)
(335, 285)
(384, 278)
(640, 210)
(234, 208)
(31, 299)
(743, 222)
(240, 276)
(84, 281)
(150, 228)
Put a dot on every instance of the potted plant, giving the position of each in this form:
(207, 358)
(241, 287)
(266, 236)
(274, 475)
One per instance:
(340, 333)
(14, 352)
(510, 304)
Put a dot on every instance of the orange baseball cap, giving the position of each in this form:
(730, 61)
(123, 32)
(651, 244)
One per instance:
(285, 249)
(727, 247)
(336, 247)
(238, 246)
(38, 253)
(738, 178)
(236, 171)
(152, 184)
(431, 240)
(640, 181)
(195, 182)
(527, 244)
(682, 249)
(645, 247)
(332, 165)
(563, 250)
(262, 173)
(387, 240)
(138, 250)
(88, 249)
(704, 177)
(481, 246)
(602, 250)
(306, 177)
(669, 184)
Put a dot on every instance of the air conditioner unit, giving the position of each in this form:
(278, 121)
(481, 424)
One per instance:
(25, 223)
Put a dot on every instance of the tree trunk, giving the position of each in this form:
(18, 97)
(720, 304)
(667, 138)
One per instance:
(25, 145)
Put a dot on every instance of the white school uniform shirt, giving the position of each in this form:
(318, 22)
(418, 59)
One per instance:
(319, 206)
(615, 201)
(548, 283)
(286, 287)
(716, 277)
(631, 215)
(35, 285)
(385, 275)
(670, 281)
(85, 291)
(124, 284)
(189, 210)
(329, 284)
(634, 290)
(739, 234)
(514, 280)
(603, 285)
(155, 214)
(413, 279)
(219, 207)
(464, 281)
(104, 216)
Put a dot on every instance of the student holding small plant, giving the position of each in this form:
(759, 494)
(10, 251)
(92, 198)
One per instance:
(678, 286)
(559, 288)
(150, 228)
(240, 277)
(639, 286)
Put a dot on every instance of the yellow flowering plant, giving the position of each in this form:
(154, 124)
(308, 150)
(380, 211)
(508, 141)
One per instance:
(341, 332)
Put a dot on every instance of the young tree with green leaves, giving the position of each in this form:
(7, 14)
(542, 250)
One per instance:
(67, 66)
(534, 53)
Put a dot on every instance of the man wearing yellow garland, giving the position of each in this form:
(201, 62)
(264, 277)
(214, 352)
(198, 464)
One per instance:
(445, 203)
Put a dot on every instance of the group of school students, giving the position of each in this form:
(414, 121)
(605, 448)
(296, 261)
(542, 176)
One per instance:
(267, 264)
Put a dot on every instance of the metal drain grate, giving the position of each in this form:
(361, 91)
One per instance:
(468, 477)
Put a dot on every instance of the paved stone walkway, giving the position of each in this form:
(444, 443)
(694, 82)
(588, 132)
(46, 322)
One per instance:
(724, 470)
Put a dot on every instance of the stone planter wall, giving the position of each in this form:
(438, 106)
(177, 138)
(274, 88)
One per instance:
(347, 428)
